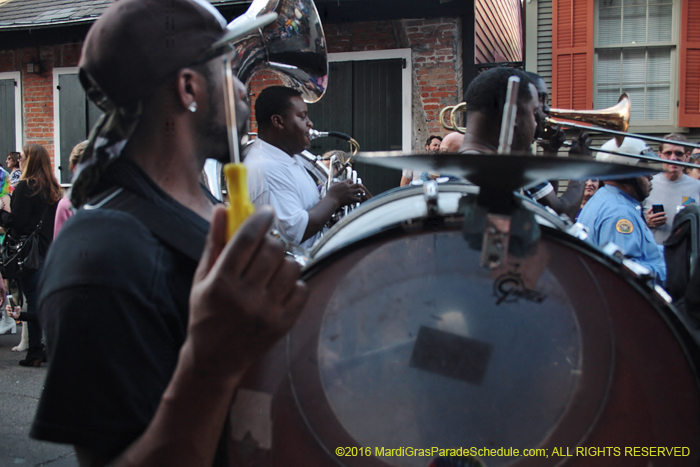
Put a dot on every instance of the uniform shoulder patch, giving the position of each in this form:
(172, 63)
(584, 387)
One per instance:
(624, 226)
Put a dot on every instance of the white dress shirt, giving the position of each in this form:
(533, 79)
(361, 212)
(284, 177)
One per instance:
(277, 179)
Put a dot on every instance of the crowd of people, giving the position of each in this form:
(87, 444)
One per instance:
(151, 316)
(31, 204)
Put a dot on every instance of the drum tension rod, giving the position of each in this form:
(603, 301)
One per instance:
(430, 195)
(496, 240)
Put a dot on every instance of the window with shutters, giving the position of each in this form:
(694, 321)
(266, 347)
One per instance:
(572, 54)
(636, 53)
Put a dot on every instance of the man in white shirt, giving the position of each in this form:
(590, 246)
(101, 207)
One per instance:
(672, 189)
(276, 175)
(408, 176)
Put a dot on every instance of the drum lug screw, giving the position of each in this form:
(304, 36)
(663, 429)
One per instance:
(494, 250)
(430, 195)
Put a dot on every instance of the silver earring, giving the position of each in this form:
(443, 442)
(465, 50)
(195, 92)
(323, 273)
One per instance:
(192, 107)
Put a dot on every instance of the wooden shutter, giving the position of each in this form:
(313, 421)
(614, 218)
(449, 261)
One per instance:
(7, 116)
(572, 54)
(689, 82)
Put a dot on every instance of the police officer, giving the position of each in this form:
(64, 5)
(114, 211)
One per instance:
(614, 214)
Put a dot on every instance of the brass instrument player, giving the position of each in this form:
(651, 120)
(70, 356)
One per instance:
(546, 193)
(278, 178)
(485, 98)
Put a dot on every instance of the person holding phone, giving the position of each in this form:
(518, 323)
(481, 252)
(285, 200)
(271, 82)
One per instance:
(672, 189)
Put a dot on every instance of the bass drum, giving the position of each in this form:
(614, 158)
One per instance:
(408, 348)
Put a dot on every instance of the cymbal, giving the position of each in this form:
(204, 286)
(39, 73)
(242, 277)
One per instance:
(507, 171)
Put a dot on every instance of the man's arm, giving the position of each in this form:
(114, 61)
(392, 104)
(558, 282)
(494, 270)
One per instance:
(628, 234)
(245, 296)
(340, 194)
(569, 202)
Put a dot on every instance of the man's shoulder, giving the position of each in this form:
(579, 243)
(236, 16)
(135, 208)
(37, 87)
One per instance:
(100, 247)
(270, 169)
(261, 159)
(113, 224)
(606, 204)
(690, 182)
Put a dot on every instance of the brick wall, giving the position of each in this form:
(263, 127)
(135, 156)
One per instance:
(37, 89)
(436, 61)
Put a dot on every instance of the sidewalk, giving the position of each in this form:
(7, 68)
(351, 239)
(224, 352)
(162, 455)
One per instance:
(20, 388)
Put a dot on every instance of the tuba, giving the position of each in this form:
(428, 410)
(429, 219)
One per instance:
(293, 46)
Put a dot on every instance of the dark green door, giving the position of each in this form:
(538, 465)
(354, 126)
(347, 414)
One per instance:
(7, 117)
(363, 100)
(76, 116)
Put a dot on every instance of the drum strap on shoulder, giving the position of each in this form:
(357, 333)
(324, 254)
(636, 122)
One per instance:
(162, 223)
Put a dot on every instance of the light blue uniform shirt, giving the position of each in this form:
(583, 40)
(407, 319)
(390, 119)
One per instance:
(612, 215)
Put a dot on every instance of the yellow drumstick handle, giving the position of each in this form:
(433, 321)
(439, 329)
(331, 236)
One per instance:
(239, 207)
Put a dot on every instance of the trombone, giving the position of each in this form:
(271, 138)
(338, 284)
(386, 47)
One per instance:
(613, 120)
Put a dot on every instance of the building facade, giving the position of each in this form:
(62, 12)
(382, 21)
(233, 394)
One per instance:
(590, 52)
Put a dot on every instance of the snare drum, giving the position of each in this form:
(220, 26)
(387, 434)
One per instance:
(408, 346)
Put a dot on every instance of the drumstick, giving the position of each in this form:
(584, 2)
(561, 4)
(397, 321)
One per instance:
(239, 205)
(509, 111)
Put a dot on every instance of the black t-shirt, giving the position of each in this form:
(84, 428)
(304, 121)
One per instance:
(114, 305)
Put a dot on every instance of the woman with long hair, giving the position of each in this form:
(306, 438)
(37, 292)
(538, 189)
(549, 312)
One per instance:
(34, 200)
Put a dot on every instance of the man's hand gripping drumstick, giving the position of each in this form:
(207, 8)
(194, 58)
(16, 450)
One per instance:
(245, 296)
(246, 293)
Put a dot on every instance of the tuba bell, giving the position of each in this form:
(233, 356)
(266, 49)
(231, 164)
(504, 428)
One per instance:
(293, 46)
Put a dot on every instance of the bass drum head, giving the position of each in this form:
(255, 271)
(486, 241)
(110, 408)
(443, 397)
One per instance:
(407, 346)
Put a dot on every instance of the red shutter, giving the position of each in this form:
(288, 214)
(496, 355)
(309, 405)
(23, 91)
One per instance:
(572, 54)
(689, 82)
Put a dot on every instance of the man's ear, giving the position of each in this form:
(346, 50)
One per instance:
(189, 86)
(277, 121)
